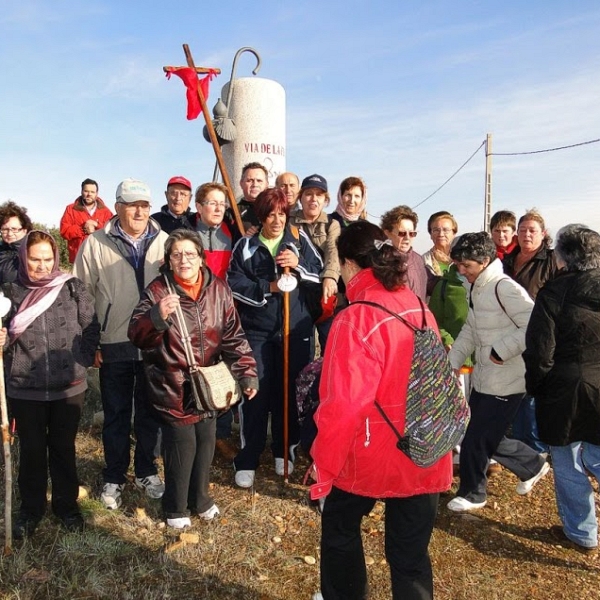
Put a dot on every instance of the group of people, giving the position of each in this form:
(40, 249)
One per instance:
(520, 319)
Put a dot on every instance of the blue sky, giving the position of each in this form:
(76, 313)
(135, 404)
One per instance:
(399, 93)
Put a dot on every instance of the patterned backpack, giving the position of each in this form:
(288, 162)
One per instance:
(437, 413)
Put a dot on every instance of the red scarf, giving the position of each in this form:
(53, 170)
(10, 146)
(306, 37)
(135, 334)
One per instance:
(501, 252)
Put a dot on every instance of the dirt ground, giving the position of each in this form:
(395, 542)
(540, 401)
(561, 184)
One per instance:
(265, 545)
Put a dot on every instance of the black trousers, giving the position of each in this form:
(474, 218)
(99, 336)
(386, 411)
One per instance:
(484, 438)
(408, 527)
(254, 414)
(188, 452)
(47, 431)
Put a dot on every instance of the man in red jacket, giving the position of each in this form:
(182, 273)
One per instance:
(83, 217)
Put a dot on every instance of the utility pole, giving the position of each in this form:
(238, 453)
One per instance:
(487, 210)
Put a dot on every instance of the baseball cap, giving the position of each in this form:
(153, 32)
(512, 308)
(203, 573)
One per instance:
(315, 181)
(180, 179)
(133, 190)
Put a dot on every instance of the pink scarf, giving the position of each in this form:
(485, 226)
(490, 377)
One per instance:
(43, 291)
(340, 210)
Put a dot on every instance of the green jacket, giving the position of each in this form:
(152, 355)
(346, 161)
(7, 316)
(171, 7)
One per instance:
(449, 305)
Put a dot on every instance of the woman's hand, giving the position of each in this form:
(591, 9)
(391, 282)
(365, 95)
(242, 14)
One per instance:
(287, 259)
(330, 288)
(3, 336)
(250, 393)
(168, 305)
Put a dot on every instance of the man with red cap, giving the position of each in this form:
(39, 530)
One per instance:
(176, 213)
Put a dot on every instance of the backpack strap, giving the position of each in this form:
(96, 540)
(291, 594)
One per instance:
(403, 442)
(500, 302)
(387, 310)
(296, 234)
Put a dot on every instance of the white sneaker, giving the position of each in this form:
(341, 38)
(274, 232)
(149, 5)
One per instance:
(179, 523)
(279, 464)
(152, 485)
(524, 487)
(111, 495)
(210, 514)
(460, 504)
(244, 479)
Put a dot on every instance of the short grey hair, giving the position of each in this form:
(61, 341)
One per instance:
(578, 247)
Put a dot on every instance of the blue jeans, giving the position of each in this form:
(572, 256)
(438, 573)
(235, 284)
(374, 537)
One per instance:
(524, 426)
(123, 387)
(574, 493)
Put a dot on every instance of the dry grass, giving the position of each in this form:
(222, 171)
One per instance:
(257, 548)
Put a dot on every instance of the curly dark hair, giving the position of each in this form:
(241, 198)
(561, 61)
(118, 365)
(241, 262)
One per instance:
(357, 242)
(474, 246)
(10, 209)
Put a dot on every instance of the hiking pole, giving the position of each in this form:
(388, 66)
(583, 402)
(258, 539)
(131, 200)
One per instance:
(286, 284)
(4, 309)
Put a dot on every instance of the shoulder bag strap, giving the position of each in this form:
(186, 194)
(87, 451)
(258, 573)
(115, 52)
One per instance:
(500, 302)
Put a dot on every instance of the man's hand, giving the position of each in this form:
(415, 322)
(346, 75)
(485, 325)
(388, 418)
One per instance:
(90, 226)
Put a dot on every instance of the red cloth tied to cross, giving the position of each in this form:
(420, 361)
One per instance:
(191, 81)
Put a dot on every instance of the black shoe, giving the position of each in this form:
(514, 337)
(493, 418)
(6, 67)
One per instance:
(73, 523)
(24, 526)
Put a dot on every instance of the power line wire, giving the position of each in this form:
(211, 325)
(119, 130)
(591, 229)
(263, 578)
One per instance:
(451, 176)
(541, 151)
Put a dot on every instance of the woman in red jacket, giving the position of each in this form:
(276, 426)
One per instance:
(368, 358)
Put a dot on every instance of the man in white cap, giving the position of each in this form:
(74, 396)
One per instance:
(116, 263)
(176, 213)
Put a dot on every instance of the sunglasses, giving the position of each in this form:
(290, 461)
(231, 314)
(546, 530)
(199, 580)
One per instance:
(404, 234)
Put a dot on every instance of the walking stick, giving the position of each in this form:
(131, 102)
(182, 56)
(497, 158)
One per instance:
(286, 284)
(4, 309)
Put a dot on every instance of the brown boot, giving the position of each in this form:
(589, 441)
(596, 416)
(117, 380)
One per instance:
(225, 448)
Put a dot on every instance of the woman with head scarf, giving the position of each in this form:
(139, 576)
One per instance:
(52, 338)
(351, 201)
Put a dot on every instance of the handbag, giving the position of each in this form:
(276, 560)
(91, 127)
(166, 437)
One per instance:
(213, 388)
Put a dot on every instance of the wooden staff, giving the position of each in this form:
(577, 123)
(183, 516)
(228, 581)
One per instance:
(215, 144)
(286, 378)
(6, 447)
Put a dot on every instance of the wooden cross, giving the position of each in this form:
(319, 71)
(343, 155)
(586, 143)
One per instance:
(211, 133)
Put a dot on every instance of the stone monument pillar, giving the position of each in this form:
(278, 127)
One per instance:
(258, 110)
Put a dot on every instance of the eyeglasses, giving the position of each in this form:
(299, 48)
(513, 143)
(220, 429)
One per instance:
(179, 194)
(441, 230)
(178, 256)
(7, 230)
(404, 234)
(214, 204)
